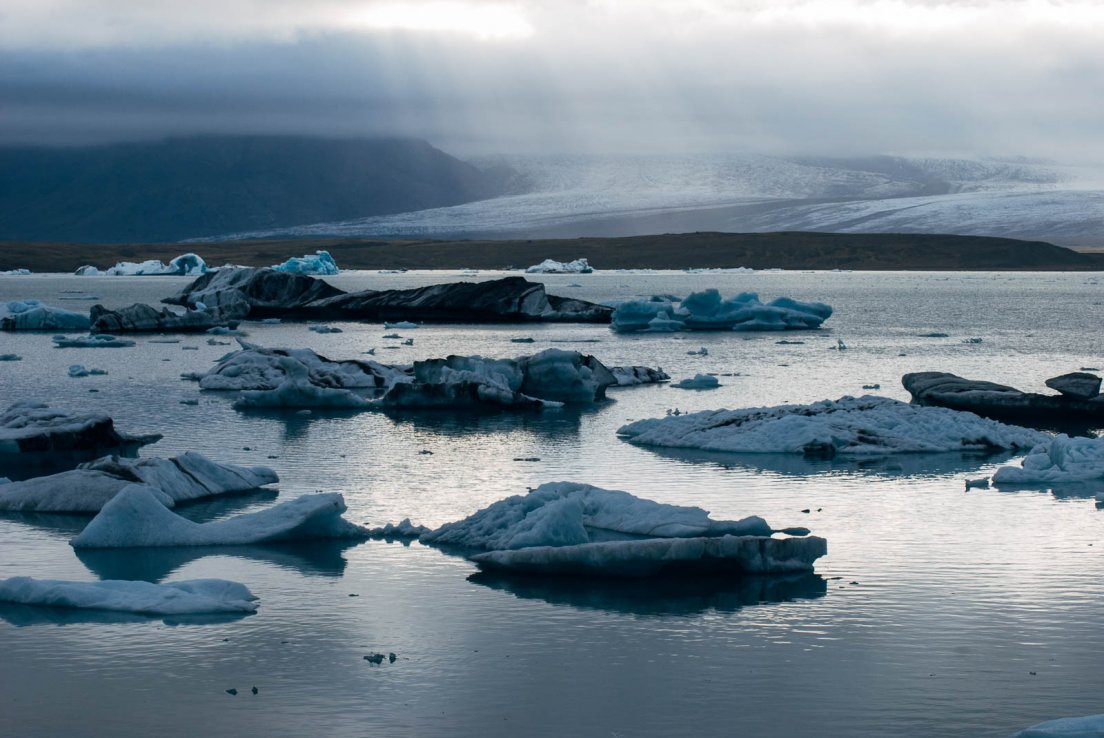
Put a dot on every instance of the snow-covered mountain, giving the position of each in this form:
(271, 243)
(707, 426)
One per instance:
(568, 196)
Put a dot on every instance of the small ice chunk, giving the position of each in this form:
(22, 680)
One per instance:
(324, 329)
(551, 266)
(78, 370)
(699, 382)
(402, 325)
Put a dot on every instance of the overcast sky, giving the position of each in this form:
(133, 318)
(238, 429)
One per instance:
(839, 77)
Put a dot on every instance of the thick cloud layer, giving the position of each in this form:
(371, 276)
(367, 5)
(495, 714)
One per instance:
(939, 77)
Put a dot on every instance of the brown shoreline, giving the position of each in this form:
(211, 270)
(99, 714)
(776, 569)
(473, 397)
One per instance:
(792, 250)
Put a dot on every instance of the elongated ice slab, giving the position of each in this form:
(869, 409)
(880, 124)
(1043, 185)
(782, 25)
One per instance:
(867, 425)
(706, 310)
(191, 597)
(1059, 460)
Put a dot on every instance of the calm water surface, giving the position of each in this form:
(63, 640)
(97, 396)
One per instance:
(937, 611)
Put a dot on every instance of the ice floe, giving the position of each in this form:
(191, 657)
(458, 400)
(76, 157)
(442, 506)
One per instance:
(139, 318)
(1090, 726)
(551, 266)
(78, 370)
(402, 325)
(706, 310)
(185, 265)
(86, 489)
(258, 368)
(297, 390)
(99, 340)
(630, 376)
(867, 425)
(136, 517)
(29, 427)
(570, 528)
(698, 382)
(320, 263)
(34, 315)
(190, 597)
(1059, 460)
(10, 357)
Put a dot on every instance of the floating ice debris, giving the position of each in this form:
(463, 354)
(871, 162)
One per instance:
(569, 528)
(21, 272)
(78, 370)
(10, 357)
(1090, 726)
(703, 351)
(971, 340)
(521, 340)
(100, 340)
(34, 315)
(551, 266)
(866, 426)
(324, 329)
(1058, 460)
(189, 402)
(933, 334)
(392, 336)
(189, 348)
(222, 330)
(719, 270)
(872, 386)
(408, 342)
(1076, 385)
(698, 382)
(259, 368)
(982, 483)
(27, 427)
(190, 597)
(216, 342)
(321, 263)
(402, 325)
(630, 376)
(840, 345)
(136, 517)
(707, 311)
(86, 489)
(790, 343)
(163, 340)
(185, 265)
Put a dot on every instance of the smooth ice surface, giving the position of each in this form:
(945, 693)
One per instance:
(1090, 726)
(319, 264)
(86, 489)
(1056, 461)
(551, 266)
(706, 310)
(35, 315)
(136, 518)
(867, 425)
(192, 597)
(698, 382)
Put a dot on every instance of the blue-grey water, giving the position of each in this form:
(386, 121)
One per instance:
(937, 612)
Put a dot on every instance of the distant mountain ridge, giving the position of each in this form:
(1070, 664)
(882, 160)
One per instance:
(205, 185)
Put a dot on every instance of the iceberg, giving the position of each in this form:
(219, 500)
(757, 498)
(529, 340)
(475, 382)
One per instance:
(86, 489)
(631, 376)
(551, 266)
(78, 370)
(402, 325)
(707, 311)
(324, 329)
(139, 318)
(258, 368)
(320, 263)
(1059, 460)
(136, 517)
(1090, 726)
(34, 315)
(190, 597)
(698, 382)
(578, 529)
(10, 357)
(185, 265)
(858, 426)
(21, 272)
(99, 340)
(260, 293)
(31, 427)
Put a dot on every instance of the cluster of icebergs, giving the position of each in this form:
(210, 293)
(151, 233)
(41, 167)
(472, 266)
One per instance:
(707, 311)
(185, 265)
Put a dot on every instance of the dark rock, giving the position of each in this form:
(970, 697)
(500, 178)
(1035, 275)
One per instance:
(1078, 385)
(140, 318)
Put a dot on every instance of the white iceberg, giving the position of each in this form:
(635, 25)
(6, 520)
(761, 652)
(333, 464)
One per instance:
(99, 340)
(321, 263)
(259, 368)
(862, 426)
(34, 315)
(86, 489)
(185, 265)
(191, 597)
(1090, 726)
(631, 376)
(570, 528)
(698, 382)
(1058, 460)
(136, 517)
(707, 311)
(551, 266)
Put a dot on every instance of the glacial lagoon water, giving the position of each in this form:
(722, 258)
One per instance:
(937, 612)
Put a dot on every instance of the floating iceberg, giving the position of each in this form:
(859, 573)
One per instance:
(698, 382)
(402, 325)
(191, 597)
(865, 426)
(551, 266)
(320, 263)
(1059, 460)
(297, 390)
(86, 489)
(135, 517)
(185, 265)
(34, 315)
(259, 368)
(631, 376)
(10, 357)
(707, 311)
(324, 329)
(21, 272)
(569, 528)
(29, 427)
(78, 370)
(99, 340)
(139, 318)
(1090, 726)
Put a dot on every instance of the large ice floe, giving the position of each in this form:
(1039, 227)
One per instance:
(34, 315)
(551, 266)
(86, 489)
(707, 311)
(1089, 726)
(320, 263)
(185, 265)
(136, 517)
(860, 426)
(191, 597)
(565, 528)
(1059, 460)
(35, 427)
(259, 368)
